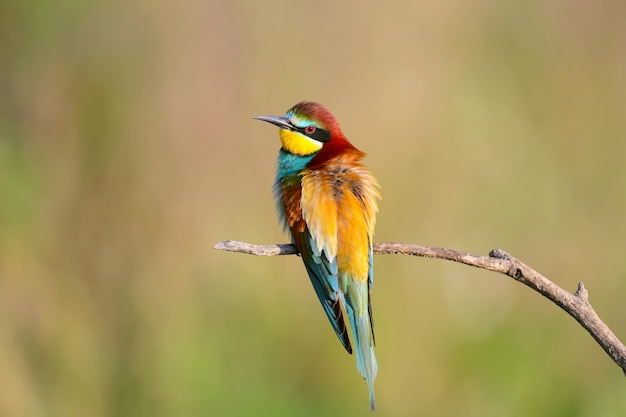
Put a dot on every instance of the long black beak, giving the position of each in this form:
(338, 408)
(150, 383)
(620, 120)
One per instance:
(279, 121)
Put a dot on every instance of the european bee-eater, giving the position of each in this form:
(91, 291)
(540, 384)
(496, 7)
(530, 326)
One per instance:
(328, 201)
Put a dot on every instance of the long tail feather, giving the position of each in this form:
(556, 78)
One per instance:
(357, 307)
(365, 357)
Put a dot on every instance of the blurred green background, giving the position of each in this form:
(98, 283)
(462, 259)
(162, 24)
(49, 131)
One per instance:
(127, 150)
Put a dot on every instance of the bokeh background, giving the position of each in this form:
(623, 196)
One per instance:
(127, 150)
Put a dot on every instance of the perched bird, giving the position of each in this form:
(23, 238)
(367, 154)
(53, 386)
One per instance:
(328, 201)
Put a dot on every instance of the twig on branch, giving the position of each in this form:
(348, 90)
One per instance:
(576, 305)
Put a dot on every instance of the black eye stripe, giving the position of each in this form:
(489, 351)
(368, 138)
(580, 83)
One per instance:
(319, 135)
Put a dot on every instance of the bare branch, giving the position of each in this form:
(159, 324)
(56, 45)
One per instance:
(576, 305)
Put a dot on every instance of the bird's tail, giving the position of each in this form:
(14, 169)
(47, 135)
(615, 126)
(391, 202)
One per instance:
(359, 311)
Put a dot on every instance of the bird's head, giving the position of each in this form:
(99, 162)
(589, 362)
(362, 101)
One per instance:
(306, 128)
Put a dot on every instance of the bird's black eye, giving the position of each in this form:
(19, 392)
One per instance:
(315, 133)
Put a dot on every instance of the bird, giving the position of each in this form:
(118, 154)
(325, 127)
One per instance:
(328, 200)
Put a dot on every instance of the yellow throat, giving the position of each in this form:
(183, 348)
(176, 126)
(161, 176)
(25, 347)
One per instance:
(297, 143)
